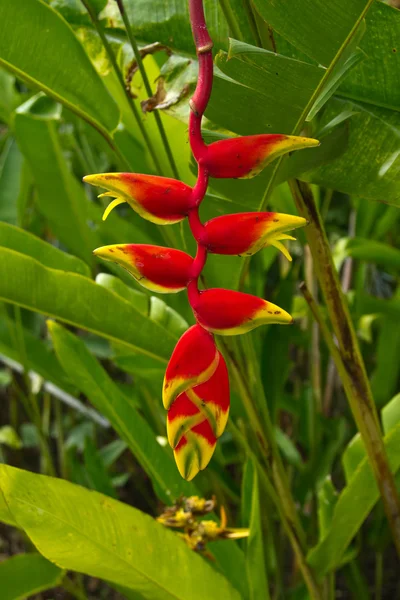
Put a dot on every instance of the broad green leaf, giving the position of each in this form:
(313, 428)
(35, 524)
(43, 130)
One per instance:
(84, 531)
(95, 383)
(5, 515)
(10, 173)
(354, 504)
(377, 79)
(96, 472)
(279, 88)
(61, 198)
(391, 414)
(365, 169)
(25, 575)
(153, 307)
(385, 376)
(372, 251)
(169, 23)
(35, 46)
(327, 498)
(314, 26)
(81, 302)
(255, 561)
(10, 437)
(40, 358)
(8, 95)
(22, 241)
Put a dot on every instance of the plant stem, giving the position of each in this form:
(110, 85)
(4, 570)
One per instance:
(28, 399)
(308, 575)
(353, 374)
(231, 19)
(147, 85)
(118, 73)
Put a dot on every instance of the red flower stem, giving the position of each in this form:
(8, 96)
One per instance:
(198, 104)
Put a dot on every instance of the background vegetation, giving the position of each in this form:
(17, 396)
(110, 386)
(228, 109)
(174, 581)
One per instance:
(80, 394)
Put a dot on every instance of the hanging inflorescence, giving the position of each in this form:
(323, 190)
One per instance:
(196, 384)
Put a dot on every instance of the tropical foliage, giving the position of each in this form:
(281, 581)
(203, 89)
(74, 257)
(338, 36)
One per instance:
(307, 466)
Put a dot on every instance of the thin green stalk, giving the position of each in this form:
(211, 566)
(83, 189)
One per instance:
(378, 575)
(60, 440)
(93, 17)
(231, 19)
(147, 85)
(275, 495)
(29, 401)
(352, 373)
(73, 589)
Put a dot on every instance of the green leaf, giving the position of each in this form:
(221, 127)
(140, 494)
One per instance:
(26, 575)
(327, 498)
(255, 561)
(88, 375)
(34, 48)
(87, 532)
(22, 241)
(10, 173)
(96, 472)
(39, 356)
(37, 120)
(5, 514)
(372, 251)
(352, 508)
(391, 414)
(260, 77)
(10, 437)
(377, 79)
(313, 26)
(365, 169)
(169, 22)
(81, 302)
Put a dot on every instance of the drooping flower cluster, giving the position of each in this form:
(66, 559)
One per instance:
(196, 384)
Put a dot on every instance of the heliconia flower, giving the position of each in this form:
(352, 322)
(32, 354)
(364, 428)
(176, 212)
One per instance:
(247, 156)
(158, 199)
(193, 361)
(246, 233)
(229, 313)
(159, 269)
(196, 419)
(209, 400)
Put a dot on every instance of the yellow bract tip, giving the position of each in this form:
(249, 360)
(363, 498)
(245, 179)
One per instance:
(112, 205)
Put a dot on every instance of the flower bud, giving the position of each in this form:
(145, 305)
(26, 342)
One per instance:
(159, 269)
(158, 199)
(230, 313)
(246, 233)
(247, 156)
(193, 361)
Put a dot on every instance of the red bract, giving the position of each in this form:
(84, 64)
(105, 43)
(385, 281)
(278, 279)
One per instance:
(193, 361)
(158, 269)
(246, 233)
(245, 157)
(158, 199)
(196, 419)
(229, 313)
